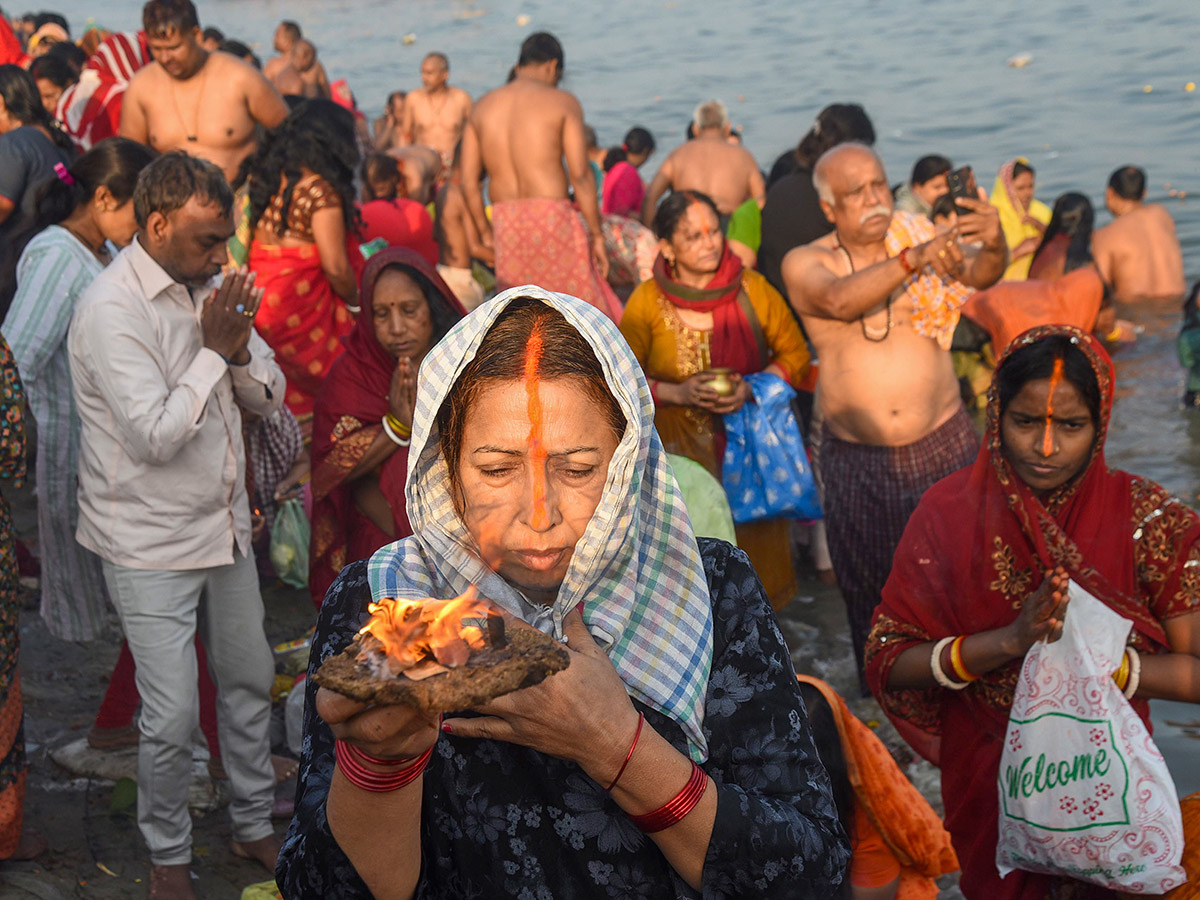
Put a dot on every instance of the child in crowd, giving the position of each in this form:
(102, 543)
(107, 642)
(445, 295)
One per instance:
(1188, 346)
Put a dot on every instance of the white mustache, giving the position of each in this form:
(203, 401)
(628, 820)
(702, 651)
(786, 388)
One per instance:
(877, 210)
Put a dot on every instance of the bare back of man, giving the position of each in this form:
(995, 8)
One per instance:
(457, 237)
(726, 172)
(885, 391)
(212, 114)
(520, 131)
(1138, 255)
(436, 118)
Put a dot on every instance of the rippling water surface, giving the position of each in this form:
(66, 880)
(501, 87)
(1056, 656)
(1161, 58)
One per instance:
(931, 75)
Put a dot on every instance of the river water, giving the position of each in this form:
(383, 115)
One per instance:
(1105, 86)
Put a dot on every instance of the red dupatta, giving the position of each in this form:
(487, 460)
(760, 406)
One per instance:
(977, 546)
(346, 420)
(733, 345)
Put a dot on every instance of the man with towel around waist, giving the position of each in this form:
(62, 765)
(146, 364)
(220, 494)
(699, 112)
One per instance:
(520, 135)
(879, 298)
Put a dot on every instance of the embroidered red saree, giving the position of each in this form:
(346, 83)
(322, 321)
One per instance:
(978, 545)
(347, 418)
(301, 317)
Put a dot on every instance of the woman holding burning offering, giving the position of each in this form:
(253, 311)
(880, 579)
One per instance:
(981, 574)
(671, 758)
(362, 419)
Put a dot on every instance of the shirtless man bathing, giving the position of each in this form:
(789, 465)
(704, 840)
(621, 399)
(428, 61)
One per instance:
(458, 239)
(1138, 253)
(710, 164)
(435, 114)
(521, 134)
(206, 104)
(879, 298)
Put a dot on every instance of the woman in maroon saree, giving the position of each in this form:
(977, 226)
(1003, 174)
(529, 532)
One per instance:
(987, 554)
(359, 463)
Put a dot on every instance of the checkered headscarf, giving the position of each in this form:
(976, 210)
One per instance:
(636, 569)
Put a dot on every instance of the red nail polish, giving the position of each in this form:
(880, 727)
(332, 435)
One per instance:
(446, 728)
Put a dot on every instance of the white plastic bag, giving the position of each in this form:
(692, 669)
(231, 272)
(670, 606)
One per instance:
(1084, 792)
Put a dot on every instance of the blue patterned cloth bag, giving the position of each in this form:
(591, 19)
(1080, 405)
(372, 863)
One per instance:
(766, 472)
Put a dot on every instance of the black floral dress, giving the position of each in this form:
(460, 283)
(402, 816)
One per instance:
(506, 821)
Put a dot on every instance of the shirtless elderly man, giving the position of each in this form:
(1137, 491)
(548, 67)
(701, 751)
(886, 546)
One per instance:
(520, 134)
(205, 104)
(435, 114)
(879, 298)
(1137, 253)
(709, 163)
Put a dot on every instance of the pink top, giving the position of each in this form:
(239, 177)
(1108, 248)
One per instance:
(402, 223)
(623, 191)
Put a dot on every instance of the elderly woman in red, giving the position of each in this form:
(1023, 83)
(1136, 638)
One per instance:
(985, 561)
(360, 461)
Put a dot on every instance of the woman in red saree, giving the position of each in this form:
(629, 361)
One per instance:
(359, 463)
(987, 555)
(305, 245)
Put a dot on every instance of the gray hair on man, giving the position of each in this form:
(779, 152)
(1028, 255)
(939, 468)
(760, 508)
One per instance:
(710, 114)
(820, 175)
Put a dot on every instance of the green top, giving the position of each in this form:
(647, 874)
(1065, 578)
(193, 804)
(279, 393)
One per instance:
(745, 225)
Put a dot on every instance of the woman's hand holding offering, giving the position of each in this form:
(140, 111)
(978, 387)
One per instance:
(694, 391)
(582, 713)
(1042, 614)
(387, 732)
(740, 397)
(402, 396)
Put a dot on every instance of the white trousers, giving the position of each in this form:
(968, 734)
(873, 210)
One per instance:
(160, 612)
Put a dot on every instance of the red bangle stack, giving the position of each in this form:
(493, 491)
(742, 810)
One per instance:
(909, 268)
(350, 760)
(674, 811)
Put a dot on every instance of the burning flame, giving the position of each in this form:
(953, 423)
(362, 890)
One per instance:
(404, 633)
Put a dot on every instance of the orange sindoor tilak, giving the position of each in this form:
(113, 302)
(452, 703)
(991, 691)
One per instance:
(1055, 380)
(539, 517)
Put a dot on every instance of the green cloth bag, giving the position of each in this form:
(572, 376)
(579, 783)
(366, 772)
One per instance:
(705, 499)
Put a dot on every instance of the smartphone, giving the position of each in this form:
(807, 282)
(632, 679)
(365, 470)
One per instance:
(961, 183)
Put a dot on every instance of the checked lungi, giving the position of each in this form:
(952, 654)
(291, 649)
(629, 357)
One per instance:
(870, 492)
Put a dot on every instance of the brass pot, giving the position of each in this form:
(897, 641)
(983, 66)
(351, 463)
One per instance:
(722, 383)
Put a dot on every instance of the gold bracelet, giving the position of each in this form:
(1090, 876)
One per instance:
(1121, 676)
(1113, 336)
(399, 427)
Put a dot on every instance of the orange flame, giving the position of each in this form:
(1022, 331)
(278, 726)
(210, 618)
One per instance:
(1055, 380)
(407, 632)
(539, 518)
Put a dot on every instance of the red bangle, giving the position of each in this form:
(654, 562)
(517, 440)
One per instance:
(674, 811)
(628, 756)
(909, 268)
(350, 760)
(654, 391)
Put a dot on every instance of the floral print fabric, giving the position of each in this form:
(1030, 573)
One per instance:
(504, 820)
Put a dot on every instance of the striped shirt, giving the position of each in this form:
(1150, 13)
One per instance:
(51, 274)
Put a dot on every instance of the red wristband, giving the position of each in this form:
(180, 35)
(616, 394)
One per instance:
(350, 760)
(628, 756)
(654, 391)
(674, 811)
(909, 268)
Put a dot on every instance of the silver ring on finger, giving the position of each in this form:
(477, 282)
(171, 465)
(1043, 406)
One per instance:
(241, 307)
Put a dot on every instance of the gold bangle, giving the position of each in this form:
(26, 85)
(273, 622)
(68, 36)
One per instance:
(1121, 676)
(399, 427)
(956, 661)
(1113, 336)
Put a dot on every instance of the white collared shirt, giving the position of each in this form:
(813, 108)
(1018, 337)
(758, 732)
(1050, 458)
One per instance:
(161, 462)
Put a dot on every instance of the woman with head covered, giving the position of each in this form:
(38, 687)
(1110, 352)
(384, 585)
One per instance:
(672, 758)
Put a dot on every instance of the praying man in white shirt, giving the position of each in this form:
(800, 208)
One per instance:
(162, 353)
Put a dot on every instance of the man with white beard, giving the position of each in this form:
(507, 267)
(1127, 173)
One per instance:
(879, 299)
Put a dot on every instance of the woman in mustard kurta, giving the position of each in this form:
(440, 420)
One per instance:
(703, 310)
(1023, 218)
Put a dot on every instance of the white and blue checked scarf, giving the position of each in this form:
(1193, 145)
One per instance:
(636, 569)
